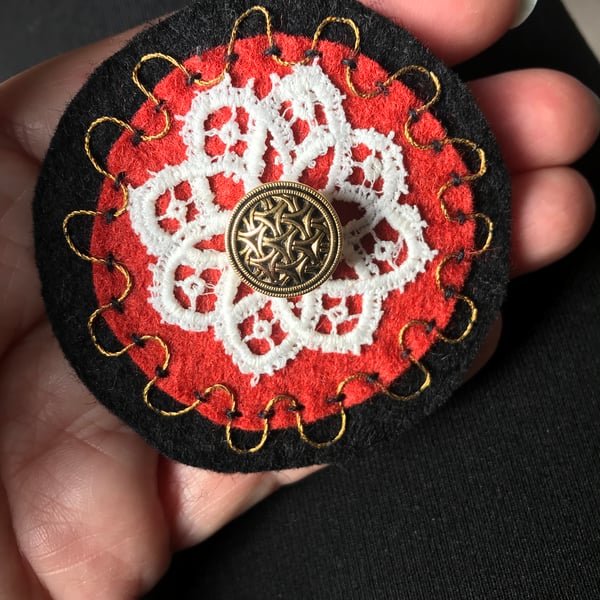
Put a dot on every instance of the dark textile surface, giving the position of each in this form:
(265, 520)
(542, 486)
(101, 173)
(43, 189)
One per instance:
(494, 496)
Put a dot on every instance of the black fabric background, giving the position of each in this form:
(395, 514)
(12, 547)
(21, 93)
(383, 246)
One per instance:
(496, 495)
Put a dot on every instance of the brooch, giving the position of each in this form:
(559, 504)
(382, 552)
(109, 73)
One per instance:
(268, 238)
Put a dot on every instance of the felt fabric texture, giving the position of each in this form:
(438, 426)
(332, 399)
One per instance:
(68, 283)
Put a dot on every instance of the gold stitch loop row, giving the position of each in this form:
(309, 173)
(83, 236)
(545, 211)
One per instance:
(266, 415)
(293, 404)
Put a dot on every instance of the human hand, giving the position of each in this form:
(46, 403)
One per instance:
(86, 508)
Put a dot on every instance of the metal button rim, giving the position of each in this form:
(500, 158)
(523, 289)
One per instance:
(307, 193)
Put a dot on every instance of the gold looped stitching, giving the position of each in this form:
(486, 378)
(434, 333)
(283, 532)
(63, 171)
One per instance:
(470, 324)
(267, 413)
(461, 217)
(490, 232)
(65, 228)
(342, 21)
(152, 383)
(236, 28)
(154, 56)
(381, 86)
(307, 440)
(102, 309)
(88, 138)
(371, 379)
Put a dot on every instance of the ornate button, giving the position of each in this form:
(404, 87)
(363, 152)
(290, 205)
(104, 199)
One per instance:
(284, 239)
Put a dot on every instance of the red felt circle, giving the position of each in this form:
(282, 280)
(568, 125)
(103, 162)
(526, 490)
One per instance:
(197, 359)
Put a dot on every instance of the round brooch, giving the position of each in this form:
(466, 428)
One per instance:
(277, 248)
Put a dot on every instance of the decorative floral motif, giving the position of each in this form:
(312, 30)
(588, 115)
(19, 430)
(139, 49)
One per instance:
(298, 129)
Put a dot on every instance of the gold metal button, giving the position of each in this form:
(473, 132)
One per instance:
(284, 239)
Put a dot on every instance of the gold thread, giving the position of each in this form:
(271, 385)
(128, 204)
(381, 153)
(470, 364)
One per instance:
(413, 117)
(145, 59)
(470, 324)
(490, 232)
(160, 411)
(267, 415)
(102, 309)
(88, 135)
(342, 21)
(67, 235)
(236, 27)
(350, 379)
(319, 445)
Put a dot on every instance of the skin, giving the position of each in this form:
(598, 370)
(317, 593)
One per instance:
(87, 510)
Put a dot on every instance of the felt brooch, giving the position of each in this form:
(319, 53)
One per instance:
(270, 236)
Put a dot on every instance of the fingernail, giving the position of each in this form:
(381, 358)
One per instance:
(525, 9)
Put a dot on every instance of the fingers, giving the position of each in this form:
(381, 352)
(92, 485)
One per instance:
(224, 497)
(541, 118)
(20, 301)
(35, 100)
(487, 349)
(453, 29)
(553, 209)
(16, 579)
(80, 486)
(32, 103)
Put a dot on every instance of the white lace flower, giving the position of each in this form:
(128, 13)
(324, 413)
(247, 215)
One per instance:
(177, 217)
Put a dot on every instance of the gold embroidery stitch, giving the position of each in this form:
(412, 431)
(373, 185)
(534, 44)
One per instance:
(267, 413)
(404, 352)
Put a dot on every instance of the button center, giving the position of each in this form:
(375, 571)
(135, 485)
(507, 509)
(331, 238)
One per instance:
(284, 239)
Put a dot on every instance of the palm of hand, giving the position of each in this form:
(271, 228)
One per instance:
(87, 509)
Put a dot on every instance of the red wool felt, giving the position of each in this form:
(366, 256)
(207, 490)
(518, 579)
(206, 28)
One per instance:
(198, 360)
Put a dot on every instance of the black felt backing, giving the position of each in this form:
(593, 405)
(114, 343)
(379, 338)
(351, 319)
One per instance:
(68, 183)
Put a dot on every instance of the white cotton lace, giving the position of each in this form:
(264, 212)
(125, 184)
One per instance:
(325, 319)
